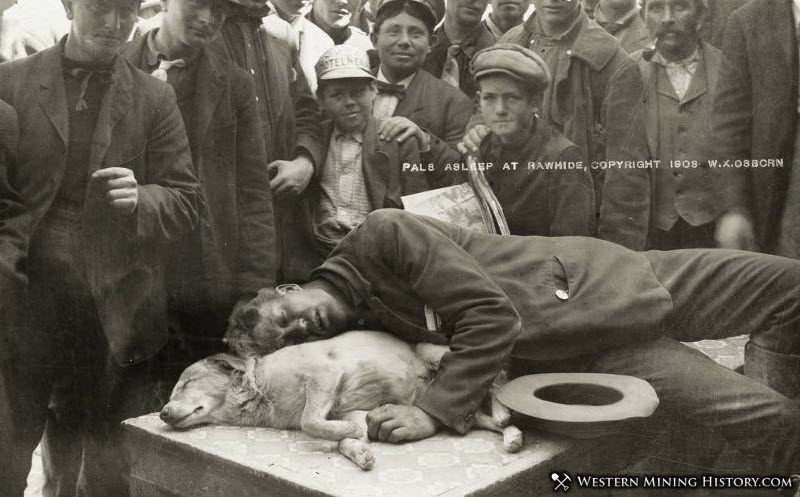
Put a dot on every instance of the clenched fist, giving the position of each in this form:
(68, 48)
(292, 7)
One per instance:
(118, 187)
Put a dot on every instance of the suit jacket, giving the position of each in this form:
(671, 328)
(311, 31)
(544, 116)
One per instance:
(755, 112)
(598, 95)
(694, 197)
(139, 128)
(385, 180)
(237, 235)
(436, 107)
(496, 296)
(435, 61)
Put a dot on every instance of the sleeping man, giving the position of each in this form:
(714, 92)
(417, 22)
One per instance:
(560, 304)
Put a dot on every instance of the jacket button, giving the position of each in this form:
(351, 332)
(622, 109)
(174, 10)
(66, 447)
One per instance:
(361, 322)
(562, 295)
(569, 52)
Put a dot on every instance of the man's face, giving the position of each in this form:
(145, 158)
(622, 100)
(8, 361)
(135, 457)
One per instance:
(293, 7)
(349, 102)
(298, 314)
(506, 107)
(195, 23)
(332, 13)
(466, 12)
(556, 12)
(618, 5)
(402, 43)
(509, 12)
(100, 27)
(673, 23)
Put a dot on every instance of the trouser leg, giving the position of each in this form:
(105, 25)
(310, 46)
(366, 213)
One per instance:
(722, 293)
(694, 390)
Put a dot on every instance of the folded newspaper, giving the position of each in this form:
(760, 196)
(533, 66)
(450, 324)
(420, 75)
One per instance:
(471, 205)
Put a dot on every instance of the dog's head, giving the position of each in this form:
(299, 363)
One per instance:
(209, 391)
(251, 334)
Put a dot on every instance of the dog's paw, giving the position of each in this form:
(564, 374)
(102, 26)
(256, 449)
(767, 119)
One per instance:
(512, 439)
(359, 452)
(500, 414)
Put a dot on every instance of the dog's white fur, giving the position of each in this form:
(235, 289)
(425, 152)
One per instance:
(323, 388)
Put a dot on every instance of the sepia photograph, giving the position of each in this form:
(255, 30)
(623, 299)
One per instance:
(399, 248)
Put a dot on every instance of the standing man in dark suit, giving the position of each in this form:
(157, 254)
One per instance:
(458, 39)
(231, 254)
(562, 304)
(402, 34)
(108, 179)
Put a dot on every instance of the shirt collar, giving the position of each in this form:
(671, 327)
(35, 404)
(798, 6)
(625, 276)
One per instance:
(154, 53)
(600, 16)
(405, 82)
(357, 136)
(494, 29)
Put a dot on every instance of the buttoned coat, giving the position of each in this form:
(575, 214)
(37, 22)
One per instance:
(139, 128)
(695, 195)
(497, 297)
(237, 234)
(436, 107)
(755, 113)
(599, 92)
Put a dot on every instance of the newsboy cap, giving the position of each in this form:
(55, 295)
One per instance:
(343, 61)
(434, 9)
(513, 60)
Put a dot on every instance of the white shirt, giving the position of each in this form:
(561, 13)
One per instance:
(385, 104)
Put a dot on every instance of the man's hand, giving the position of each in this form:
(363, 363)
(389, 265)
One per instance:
(290, 177)
(119, 187)
(735, 231)
(396, 423)
(401, 129)
(472, 140)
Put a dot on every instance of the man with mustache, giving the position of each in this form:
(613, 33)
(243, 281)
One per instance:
(680, 78)
(505, 15)
(333, 17)
(107, 180)
(409, 96)
(621, 18)
(460, 36)
(594, 100)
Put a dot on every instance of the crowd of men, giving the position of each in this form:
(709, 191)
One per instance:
(153, 180)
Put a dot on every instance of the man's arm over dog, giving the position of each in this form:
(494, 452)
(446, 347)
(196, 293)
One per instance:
(484, 321)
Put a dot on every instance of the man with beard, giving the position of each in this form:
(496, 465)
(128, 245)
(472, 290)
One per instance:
(594, 99)
(680, 78)
(108, 180)
(458, 39)
(622, 19)
(407, 94)
(505, 15)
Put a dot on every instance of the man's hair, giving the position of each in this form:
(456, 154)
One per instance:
(323, 83)
(701, 8)
(413, 9)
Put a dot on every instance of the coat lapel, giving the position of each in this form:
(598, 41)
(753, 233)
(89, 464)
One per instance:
(649, 72)
(208, 91)
(415, 95)
(375, 166)
(115, 104)
(52, 94)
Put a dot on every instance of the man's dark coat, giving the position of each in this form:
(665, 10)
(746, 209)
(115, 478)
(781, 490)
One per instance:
(238, 232)
(139, 128)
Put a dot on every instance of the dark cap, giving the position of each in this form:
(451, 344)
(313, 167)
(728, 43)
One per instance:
(513, 60)
(434, 9)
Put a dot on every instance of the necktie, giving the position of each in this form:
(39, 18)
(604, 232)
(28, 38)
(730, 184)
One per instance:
(450, 72)
(166, 65)
(103, 77)
(397, 90)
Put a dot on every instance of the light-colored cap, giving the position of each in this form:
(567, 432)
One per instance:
(343, 61)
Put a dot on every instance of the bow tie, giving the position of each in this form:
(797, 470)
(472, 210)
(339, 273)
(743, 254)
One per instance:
(397, 90)
(103, 77)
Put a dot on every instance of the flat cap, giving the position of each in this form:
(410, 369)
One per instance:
(434, 9)
(343, 61)
(512, 60)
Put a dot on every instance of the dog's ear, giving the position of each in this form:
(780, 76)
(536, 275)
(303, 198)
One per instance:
(226, 362)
